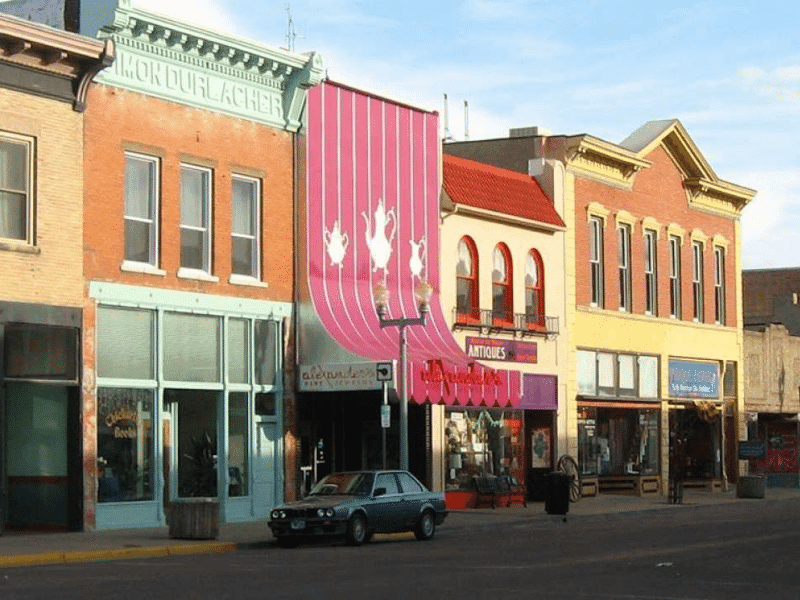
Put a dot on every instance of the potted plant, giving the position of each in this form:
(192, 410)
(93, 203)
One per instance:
(196, 514)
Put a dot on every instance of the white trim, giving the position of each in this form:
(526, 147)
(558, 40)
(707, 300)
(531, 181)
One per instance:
(186, 273)
(236, 279)
(138, 267)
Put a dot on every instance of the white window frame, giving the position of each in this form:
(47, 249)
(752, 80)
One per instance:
(624, 263)
(205, 229)
(719, 285)
(152, 219)
(255, 217)
(29, 144)
(697, 281)
(650, 273)
(596, 260)
(675, 276)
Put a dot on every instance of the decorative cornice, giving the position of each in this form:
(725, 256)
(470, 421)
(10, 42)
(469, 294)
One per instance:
(719, 197)
(623, 216)
(650, 224)
(676, 230)
(603, 159)
(163, 57)
(595, 209)
(720, 241)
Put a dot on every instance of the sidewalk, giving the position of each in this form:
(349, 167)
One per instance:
(26, 549)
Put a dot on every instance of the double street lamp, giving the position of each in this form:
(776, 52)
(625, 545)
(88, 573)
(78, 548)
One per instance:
(422, 293)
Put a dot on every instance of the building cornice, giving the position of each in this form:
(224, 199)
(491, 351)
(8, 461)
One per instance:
(602, 159)
(185, 63)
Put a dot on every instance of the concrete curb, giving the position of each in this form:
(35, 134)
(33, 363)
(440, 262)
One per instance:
(49, 558)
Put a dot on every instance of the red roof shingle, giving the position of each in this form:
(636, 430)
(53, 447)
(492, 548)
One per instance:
(491, 188)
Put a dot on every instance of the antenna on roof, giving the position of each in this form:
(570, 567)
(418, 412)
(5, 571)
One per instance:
(466, 120)
(447, 136)
(291, 34)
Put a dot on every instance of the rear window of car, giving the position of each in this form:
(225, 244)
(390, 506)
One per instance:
(388, 481)
(409, 484)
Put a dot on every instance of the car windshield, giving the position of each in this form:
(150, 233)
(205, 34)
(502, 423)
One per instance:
(354, 484)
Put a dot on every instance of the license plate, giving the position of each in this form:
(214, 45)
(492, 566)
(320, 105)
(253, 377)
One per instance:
(297, 524)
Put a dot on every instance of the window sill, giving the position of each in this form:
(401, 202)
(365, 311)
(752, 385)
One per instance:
(144, 268)
(185, 273)
(247, 281)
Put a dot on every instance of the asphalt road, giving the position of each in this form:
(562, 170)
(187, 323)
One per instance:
(715, 552)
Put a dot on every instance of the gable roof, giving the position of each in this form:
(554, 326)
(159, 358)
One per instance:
(481, 186)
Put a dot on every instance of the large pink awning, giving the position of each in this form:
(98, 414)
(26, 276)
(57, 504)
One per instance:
(373, 215)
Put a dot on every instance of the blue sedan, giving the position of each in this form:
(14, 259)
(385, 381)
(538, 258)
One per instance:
(357, 504)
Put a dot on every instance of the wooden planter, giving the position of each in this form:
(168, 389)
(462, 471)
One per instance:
(194, 519)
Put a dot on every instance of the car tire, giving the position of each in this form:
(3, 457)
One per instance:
(426, 526)
(357, 530)
(288, 541)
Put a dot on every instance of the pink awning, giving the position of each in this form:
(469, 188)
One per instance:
(373, 215)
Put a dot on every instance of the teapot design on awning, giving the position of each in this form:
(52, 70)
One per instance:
(416, 262)
(380, 244)
(336, 244)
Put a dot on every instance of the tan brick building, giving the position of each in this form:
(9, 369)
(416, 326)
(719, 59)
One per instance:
(44, 76)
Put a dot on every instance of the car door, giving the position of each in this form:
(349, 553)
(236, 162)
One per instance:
(413, 496)
(386, 507)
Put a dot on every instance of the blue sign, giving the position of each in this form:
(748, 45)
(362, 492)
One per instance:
(693, 379)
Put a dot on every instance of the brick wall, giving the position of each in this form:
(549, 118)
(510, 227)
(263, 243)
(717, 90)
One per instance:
(118, 120)
(657, 193)
(49, 272)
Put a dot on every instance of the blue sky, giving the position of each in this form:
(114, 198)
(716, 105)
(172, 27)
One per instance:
(729, 71)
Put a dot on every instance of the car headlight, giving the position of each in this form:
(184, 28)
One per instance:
(329, 513)
(320, 512)
(275, 514)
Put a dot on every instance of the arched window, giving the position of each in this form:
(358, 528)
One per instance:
(502, 307)
(534, 290)
(467, 281)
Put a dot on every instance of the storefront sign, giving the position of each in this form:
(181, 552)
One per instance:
(505, 350)
(693, 379)
(752, 449)
(437, 372)
(339, 377)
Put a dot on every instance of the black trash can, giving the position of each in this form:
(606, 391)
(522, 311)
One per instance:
(556, 498)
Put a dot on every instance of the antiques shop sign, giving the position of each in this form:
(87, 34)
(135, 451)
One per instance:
(505, 350)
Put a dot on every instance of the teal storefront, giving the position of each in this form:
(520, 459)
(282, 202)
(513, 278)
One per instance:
(188, 403)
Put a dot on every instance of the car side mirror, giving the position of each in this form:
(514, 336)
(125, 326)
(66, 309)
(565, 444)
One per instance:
(380, 491)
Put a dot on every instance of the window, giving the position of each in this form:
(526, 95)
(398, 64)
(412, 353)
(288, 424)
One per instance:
(467, 281)
(615, 375)
(195, 218)
(624, 260)
(596, 259)
(534, 290)
(719, 285)
(409, 484)
(502, 308)
(650, 281)
(141, 209)
(388, 482)
(16, 183)
(697, 280)
(246, 227)
(674, 277)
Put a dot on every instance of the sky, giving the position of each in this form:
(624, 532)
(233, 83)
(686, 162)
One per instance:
(730, 71)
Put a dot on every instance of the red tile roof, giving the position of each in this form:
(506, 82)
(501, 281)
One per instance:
(490, 188)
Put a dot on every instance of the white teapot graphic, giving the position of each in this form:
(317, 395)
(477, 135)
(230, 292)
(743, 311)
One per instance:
(415, 263)
(336, 244)
(380, 244)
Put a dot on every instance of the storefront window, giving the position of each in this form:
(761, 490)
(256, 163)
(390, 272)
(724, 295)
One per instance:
(125, 343)
(192, 348)
(587, 444)
(482, 442)
(265, 342)
(237, 444)
(124, 444)
(626, 442)
(238, 350)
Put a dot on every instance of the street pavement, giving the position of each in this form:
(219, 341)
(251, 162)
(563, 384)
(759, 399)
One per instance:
(26, 549)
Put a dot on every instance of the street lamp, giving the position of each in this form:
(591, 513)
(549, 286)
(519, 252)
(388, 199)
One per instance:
(422, 293)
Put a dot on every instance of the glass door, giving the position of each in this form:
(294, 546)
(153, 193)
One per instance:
(195, 440)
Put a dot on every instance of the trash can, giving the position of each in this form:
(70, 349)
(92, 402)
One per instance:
(750, 486)
(556, 495)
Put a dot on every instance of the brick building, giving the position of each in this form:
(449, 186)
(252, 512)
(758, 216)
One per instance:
(44, 77)
(654, 306)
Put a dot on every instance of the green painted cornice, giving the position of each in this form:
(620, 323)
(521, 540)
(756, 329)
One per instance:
(164, 57)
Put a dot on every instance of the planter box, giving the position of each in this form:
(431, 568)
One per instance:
(194, 519)
(750, 486)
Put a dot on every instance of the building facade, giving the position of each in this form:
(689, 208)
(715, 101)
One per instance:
(188, 264)
(44, 77)
(654, 308)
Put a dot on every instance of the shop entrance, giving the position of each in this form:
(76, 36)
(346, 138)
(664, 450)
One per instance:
(696, 445)
(42, 466)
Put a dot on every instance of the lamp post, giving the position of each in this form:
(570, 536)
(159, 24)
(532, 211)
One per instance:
(422, 293)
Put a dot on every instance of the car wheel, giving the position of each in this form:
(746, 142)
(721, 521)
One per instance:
(357, 530)
(288, 541)
(426, 526)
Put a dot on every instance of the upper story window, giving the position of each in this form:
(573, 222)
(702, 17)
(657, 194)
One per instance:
(467, 281)
(675, 276)
(697, 280)
(141, 209)
(596, 259)
(196, 218)
(624, 261)
(502, 307)
(16, 183)
(246, 226)
(650, 273)
(534, 289)
(719, 285)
